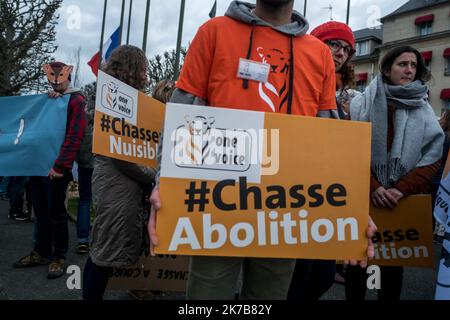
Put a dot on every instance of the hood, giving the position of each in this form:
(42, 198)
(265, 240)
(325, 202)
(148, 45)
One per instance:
(71, 90)
(241, 11)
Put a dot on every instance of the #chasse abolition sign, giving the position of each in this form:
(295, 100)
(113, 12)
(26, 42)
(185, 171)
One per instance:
(252, 184)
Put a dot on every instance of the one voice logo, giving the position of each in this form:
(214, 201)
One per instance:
(198, 144)
(116, 100)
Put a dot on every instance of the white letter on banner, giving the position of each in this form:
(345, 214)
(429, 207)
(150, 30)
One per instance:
(249, 235)
(208, 229)
(184, 224)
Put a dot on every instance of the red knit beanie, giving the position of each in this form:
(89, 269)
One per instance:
(334, 30)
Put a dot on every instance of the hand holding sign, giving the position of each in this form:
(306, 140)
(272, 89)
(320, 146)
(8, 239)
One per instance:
(370, 232)
(382, 198)
(155, 200)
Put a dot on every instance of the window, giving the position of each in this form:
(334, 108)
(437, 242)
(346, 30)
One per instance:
(427, 56)
(424, 29)
(424, 24)
(362, 48)
(446, 56)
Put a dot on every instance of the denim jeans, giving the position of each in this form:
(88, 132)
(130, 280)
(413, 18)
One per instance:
(16, 192)
(4, 183)
(84, 204)
(52, 231)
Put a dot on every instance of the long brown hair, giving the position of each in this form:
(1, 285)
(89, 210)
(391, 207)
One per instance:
(128, 64)
(347, 73)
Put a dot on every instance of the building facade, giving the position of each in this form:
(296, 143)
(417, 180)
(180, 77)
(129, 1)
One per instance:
(422, 24)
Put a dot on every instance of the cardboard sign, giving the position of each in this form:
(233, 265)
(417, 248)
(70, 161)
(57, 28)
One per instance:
(127, 123)
(442, 216)
(253, 184)
(404, 236)
(165, 273)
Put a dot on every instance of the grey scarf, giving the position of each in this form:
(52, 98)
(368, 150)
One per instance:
(418, 137)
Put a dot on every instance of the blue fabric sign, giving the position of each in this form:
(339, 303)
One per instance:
(32, 130)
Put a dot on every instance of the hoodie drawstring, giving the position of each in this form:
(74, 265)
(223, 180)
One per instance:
(291, 77)
(249, 52)
(291, 67)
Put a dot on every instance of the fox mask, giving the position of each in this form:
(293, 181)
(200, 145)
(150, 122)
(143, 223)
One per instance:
(57, 75)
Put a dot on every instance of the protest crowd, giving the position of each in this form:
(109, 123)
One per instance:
(310, 74)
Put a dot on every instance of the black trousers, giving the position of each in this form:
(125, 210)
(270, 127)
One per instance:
(356, 283)
(52, 228)
(311, 279)
(95, 280)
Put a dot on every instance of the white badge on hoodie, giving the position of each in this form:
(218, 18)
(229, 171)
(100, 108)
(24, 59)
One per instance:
(252, 70)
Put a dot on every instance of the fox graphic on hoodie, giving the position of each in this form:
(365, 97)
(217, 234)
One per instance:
(301, 79)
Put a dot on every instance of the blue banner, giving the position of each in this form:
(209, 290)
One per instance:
(32, 130)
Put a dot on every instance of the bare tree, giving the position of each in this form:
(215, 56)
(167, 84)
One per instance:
(163, 67)
(27, 35)
(75, 61)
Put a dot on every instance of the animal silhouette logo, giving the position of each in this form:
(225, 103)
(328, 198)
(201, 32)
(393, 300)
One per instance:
(199, 131)
(111, 95)
(279, 67)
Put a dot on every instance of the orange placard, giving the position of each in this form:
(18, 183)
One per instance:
(404, 236)
(250, 184)
(127, 123)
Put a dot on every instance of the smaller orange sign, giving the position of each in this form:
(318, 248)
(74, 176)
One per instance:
(127, 123)
(404, 236)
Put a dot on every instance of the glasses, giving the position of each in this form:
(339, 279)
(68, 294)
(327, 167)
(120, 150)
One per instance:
(336, 46)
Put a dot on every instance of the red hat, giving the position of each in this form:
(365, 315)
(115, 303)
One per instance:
(334, 30)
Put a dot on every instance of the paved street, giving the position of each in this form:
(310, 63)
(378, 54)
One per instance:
(16, 240)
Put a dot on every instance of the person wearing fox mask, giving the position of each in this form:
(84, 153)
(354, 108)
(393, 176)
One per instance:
(49, 193)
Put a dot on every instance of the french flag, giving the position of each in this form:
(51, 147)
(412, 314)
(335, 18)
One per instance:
(108, 47)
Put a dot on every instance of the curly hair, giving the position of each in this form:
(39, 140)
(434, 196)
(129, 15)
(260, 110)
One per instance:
(128, 64)
(163, 90)
(347, 73)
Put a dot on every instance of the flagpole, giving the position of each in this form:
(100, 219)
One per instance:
(122, 13)
(101, 37)
(129, 21)
(348, 12)
(212, 13)
(180, 35)
(147, 13)
(304, 8)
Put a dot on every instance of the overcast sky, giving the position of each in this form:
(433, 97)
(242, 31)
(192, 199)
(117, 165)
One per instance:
(84, 30)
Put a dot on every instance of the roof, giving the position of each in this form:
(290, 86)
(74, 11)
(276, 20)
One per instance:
(413, 5)
(369, 33)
